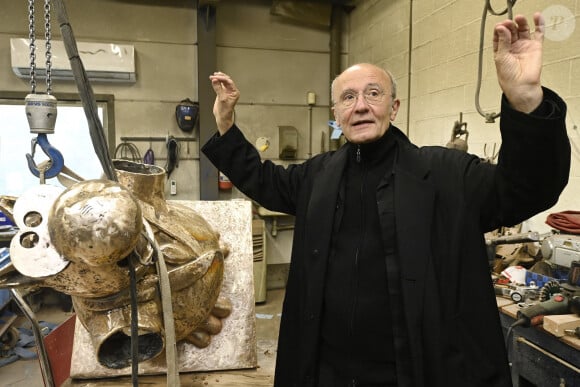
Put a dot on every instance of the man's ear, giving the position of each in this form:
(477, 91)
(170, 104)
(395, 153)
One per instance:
(335, 114)
(395, 109)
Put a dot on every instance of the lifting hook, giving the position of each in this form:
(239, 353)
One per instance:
(56, 160)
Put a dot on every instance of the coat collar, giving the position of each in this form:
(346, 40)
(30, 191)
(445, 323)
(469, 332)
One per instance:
(414, 195)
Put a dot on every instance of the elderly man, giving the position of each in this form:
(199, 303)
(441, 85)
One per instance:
(389, 283)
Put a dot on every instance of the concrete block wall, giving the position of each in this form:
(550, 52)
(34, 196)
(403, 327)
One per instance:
(442, 65)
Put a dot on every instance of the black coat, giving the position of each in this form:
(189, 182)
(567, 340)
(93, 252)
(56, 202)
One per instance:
(445, 200)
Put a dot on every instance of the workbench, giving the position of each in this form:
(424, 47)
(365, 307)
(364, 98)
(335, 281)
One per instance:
(537, 357)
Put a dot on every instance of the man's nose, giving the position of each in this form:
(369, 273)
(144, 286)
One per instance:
(361, 103)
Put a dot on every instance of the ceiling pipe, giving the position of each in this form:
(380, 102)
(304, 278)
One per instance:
(335, 41)
(336, 19)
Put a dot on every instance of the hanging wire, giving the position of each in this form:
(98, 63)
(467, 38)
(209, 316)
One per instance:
(489, 117)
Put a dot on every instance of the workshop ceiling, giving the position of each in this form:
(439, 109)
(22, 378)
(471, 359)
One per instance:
(331, 2)
(200, 3)
(316, 13)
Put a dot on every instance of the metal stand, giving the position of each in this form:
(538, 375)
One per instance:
(42, 354)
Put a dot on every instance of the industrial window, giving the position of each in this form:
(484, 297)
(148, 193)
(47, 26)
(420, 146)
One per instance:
(71, 137)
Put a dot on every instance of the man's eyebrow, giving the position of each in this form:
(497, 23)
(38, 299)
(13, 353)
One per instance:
(368, 86)
(347, 91)
(373, 86)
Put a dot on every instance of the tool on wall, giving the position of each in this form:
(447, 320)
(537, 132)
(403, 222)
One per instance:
(489, 157)
(127, 151)
(172, 155)
(459, 129)
(187, 115)
(149, 157)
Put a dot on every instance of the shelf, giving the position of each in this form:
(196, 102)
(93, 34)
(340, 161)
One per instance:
(163, 139)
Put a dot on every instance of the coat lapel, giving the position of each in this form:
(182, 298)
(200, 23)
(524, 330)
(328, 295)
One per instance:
(320, 217)
(322, 204)
(414, 201)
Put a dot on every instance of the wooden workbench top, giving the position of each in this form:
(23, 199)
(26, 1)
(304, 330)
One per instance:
(510, 308)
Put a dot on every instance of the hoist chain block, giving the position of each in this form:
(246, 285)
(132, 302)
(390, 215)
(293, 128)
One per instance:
(41, 112)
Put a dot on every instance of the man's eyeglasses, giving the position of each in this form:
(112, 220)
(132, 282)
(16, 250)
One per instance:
(372, 96)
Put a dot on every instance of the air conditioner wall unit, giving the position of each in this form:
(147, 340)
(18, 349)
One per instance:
(103, 62)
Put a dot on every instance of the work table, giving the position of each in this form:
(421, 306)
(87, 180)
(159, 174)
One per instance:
(537, 356)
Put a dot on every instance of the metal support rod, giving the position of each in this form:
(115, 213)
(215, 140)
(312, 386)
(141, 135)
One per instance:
(276, 228)
(42, 354)
(310, 131)
(206, 65)
(149, 139)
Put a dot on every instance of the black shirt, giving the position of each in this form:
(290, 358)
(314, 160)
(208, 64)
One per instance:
(356, 330)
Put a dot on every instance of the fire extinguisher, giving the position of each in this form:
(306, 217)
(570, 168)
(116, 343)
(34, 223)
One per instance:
(224, 183)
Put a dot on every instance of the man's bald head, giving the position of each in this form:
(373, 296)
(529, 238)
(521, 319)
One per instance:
(365, 66)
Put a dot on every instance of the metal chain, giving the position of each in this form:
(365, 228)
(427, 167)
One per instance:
(48, 36)
(32, 38)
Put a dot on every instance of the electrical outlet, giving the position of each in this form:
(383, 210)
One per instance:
(173, 187)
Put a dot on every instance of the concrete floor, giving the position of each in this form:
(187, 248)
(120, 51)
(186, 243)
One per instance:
(27, 373)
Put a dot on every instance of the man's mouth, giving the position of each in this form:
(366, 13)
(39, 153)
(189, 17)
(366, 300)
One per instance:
(362, 122)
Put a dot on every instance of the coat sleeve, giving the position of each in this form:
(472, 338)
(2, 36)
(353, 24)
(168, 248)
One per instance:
(272, 186)
(533, 164)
